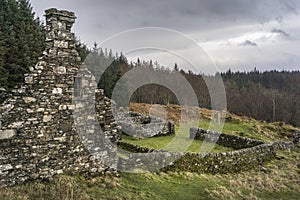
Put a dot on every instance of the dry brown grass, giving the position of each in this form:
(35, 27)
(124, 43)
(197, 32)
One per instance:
(173, 111)
(278, 176)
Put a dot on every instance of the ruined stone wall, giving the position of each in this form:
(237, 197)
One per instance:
(232, 141)
(38, 136)
(226, 162)
(144, 126)
(249, 154)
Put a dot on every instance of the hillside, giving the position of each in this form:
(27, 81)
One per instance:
(234, 124)
(278, 179)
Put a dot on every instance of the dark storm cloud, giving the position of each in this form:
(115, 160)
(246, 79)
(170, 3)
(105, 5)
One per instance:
(177, 14)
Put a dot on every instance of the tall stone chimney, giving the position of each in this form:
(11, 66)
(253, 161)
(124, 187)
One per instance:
(60, 41)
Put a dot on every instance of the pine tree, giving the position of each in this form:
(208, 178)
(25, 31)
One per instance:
(21, 40)
(82, 49)
(176, 67)
(3, 71)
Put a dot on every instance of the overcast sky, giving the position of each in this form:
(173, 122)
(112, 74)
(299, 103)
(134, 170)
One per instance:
(236, 34)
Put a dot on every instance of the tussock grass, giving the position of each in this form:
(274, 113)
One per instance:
(277, 180)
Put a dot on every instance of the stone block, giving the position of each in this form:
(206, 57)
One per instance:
(57, 91)
(29, 79)
(7, 134)
(6, 167)
(61, 44)
(29, 99)
(17, 125)
(47, 118)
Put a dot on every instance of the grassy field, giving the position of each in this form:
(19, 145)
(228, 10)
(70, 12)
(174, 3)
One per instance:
(160, 143)
(278, 179)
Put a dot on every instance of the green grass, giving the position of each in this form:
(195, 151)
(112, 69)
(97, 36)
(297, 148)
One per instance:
(161, 142)
(169, 186)
(175, 143)
(241, 128)
(129, 186)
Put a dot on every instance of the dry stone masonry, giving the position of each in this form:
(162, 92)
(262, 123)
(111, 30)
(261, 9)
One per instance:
(38, 138)
(144, 126)
(232, 141)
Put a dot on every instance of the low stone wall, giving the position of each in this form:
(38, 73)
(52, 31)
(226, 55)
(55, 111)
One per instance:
(134, 148)
(226, 162)
(144, 126)
(279, 145)
(296, 137)
(232, 141)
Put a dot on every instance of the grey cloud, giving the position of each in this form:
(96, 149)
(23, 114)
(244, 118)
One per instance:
(281, 32)
(205, 20)
(291, 6)
(248, 43)
(177, 14)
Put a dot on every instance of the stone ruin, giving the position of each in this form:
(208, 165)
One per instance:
(144, 126)
(247, 154)
(38, 136)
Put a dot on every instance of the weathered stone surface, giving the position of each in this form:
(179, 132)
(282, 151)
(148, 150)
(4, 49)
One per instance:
(143, 126)
(61, 70)
(38, 136)
(234, 161)
(232, 141)
(296, 137)
(57, 91)
(6, 134)
(47, 118)
(61, 44)
(17, 125)
(4, 168)
(29, 99)
(29, 79)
